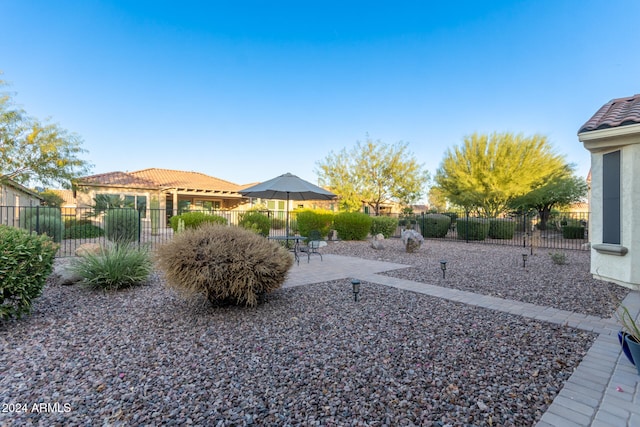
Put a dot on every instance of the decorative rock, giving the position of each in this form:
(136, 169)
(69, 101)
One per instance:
(412, 240)
(88, 248)
(66, 276)
(377, 242)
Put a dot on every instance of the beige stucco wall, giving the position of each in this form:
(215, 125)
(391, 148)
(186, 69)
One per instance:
(621, 269)
(10, 201)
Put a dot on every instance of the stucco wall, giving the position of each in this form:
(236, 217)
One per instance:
(624, 270)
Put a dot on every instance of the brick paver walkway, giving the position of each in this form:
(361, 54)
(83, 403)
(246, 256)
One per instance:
(604, 390)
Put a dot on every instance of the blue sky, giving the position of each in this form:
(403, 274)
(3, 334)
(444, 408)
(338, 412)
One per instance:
(246, 91)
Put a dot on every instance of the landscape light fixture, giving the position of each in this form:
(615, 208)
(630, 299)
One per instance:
(443, 266)
(524, 260)
(355, 283)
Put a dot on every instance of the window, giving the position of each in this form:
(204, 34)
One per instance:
(611, 198)
(207, 205)
(105, 201)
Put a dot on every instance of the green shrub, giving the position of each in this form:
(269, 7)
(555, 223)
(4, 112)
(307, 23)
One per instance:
(43, 220)
(278, 223)
(435, 225)
(501, 228)
(195, 219)
(122, 225)
(384, 225)
(452, 215)
(225, 264)
(27, 261)
(118, 266)
(558, 258)
(352, 225)
(73, 222)
(573, 232)
(314, 219)
(472, 228)
(84, 231)
(256, 222)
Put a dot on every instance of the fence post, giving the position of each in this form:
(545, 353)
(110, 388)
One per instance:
(466, 226)
(38, 219)
(525, 231)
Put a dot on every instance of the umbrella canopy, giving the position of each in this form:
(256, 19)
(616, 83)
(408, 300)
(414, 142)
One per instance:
(287, 187)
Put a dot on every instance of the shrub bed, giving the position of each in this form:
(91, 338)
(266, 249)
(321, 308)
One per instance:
(27, 261)
(573, 232)
(309, 220)
(225, 264)
(43, 220)
(256, 222)
(84, 231)
(435, 225)
(384, 225)
(195, 219)
(352, 225)
(472, 228)
(501, 228)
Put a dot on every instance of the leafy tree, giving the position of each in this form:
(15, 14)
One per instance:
(489, 171)
(373, 173)
(51, 198)
(562, 190)
(37, 152)
(437, 200)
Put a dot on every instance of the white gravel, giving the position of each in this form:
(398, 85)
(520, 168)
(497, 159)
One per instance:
(309, 355)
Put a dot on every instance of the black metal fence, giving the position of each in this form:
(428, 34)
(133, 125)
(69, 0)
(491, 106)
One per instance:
(73, 227)
(558, 230)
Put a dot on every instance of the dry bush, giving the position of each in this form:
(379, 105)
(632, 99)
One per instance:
(225, 264)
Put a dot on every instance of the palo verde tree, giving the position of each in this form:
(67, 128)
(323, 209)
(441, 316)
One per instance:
(560, 191)
(31, 151)
(373, 173)
(489, 171)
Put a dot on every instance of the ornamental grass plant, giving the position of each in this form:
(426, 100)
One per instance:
(228, 265)
(114, 267)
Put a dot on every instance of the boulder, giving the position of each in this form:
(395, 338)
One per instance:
(67, 277)
(89, 248)
(412, 240)
(377, 242)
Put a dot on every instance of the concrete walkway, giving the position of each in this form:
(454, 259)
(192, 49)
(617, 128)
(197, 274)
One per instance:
(603, 391)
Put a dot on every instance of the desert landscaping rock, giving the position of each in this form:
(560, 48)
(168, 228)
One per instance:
(308, 355)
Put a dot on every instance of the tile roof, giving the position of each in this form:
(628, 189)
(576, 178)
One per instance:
(161, 178)
(184, 179)
(615, 113)
(120, 179)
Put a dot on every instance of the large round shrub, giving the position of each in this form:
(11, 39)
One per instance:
(472, 228)
(195, 219)
(352, 225)
(501, 228)
(27, 261)
(384, 225)
(256, 222)
(122, 225)
(435, 225)
(309, 220)
(225, 264)
(43, 220)
(84, 231)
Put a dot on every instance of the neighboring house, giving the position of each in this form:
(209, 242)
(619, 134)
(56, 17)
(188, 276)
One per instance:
(68, 206)
(175, 190)
(612, 136)
(13, 196)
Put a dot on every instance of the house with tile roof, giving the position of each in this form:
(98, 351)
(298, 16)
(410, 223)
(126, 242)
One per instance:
(13, 196)
(175, 190)
(612, 136)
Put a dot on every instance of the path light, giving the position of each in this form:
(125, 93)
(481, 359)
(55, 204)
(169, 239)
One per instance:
(443, 266)
(355, 283)
(524, 260)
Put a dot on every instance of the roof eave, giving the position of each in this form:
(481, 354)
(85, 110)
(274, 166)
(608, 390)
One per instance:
(600, 139)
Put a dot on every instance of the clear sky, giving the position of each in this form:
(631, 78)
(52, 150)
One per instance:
(246, 91)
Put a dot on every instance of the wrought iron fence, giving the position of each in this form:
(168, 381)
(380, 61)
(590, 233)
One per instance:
(73, 227)
(560, 230)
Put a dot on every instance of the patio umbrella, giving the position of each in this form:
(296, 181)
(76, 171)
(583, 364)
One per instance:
(287, 187)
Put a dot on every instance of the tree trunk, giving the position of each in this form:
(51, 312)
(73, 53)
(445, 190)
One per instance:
(544, 213)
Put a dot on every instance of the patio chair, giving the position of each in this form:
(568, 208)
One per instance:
(314, 242)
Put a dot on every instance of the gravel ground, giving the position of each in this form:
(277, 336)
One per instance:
(309, 355)
(497, 271)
